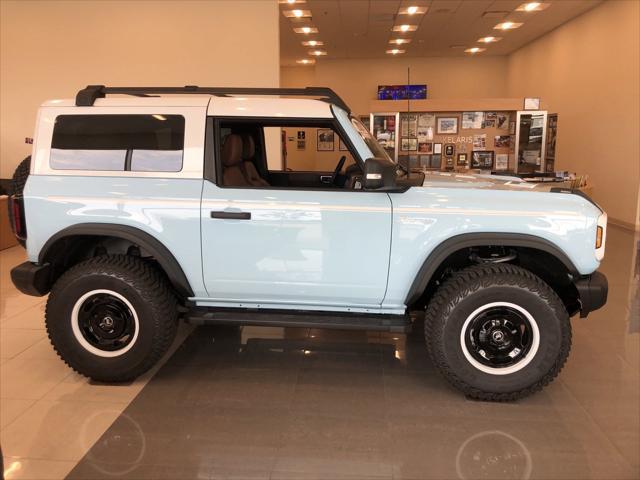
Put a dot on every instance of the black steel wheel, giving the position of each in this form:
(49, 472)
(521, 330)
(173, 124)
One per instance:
(112, 317)
(497, 332)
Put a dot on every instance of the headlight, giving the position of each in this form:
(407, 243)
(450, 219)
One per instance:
(601, 236)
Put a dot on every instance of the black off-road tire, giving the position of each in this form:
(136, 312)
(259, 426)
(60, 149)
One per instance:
(143, 286)
(18, 181)
(469, 289)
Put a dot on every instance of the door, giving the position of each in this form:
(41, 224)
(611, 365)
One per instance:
(302, 236)
(280, 248)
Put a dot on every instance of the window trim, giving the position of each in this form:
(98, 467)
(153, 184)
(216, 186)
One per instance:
(278, 122)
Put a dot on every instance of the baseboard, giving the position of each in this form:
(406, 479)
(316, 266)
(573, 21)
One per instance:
(622, 224)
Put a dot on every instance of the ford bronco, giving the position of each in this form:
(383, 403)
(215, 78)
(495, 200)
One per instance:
(142, 206)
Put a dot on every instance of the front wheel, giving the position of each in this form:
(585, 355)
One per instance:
(497, 332)
(112, 317)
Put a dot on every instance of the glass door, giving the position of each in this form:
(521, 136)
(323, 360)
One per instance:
(531, 130)
(384, 127)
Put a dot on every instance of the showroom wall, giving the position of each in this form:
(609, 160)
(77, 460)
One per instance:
(588, 71)
(51, 49)
(357, 80)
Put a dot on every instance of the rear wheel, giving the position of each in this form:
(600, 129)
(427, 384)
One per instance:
(497, 332)
(111, 317)
(18, 181)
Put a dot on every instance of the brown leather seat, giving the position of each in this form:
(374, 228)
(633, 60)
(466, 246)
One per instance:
(248, 156)
(232, 162)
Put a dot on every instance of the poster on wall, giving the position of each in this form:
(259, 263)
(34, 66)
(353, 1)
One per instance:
(409, 144)
(409, 125)
(426, 126)
(325, 140)
(472, 120)
(502, 161)
(502, 121)
(480, 141)
(490, 120)
(402, 92)
(446, 125)
(425, 147)
(502, 141)
(483, 160)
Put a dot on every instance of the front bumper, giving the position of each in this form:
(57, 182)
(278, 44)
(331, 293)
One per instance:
(593, 291)
(32, 279)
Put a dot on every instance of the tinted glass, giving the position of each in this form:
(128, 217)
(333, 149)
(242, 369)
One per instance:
(118, 142)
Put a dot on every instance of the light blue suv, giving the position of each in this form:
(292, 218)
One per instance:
(214, 205)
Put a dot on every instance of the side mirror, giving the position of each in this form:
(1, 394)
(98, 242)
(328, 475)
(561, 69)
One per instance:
(379, 174)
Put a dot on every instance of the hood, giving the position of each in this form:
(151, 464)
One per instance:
(485, 181)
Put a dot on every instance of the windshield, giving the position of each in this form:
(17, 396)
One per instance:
(372, 143)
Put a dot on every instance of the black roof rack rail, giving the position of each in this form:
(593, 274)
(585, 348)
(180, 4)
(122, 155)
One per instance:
(87, 96)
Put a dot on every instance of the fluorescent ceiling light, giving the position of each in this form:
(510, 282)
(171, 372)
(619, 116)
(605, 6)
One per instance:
(413, 10)
(305, 30)
(313, 43)
(475, 50)
(489, 39)
(405, 28)
(395, 51)
(400, 41)
(317, 53)
(306, 61)
(532, 7)
(297, 13)
(507, 26)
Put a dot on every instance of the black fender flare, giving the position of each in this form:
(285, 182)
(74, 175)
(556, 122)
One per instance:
(468, 240)
(146, 241)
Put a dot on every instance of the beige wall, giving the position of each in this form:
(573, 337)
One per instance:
(51, 49)
(588, 71)
(357, 80)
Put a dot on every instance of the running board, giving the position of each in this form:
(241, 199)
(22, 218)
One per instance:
(296, 318)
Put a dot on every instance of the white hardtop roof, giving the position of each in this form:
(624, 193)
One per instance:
(236, 106)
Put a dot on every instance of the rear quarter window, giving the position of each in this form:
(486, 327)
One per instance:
(144, 143)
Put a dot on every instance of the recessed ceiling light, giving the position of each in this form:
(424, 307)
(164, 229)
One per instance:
(306, 61)
(413, 10)
(400, 41)
(395, 51)
(475, 50)
(296, 13)
(317, 53)
(292, 2)
(305, 30)
(507, 26)
(313, 43)
(532, 7)
(405, 28)
(489, 39)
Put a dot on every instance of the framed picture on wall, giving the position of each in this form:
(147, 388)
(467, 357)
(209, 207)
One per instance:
(425, 147)
(446, 125)
(462, 159)
(437, 148)
(482, 159)
(325, 140)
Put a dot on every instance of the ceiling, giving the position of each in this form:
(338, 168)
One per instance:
(362, 28)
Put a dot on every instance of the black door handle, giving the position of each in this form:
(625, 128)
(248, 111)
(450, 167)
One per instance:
(231, 215)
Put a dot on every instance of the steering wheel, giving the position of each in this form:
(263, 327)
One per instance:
(338, 169)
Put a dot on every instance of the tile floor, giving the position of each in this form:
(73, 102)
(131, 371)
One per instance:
(302, 403)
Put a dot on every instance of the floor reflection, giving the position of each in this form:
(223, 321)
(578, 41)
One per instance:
(260, 402)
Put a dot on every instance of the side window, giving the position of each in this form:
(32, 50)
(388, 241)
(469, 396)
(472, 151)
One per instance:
(311, 149)
(278, 153)
(144, 143)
